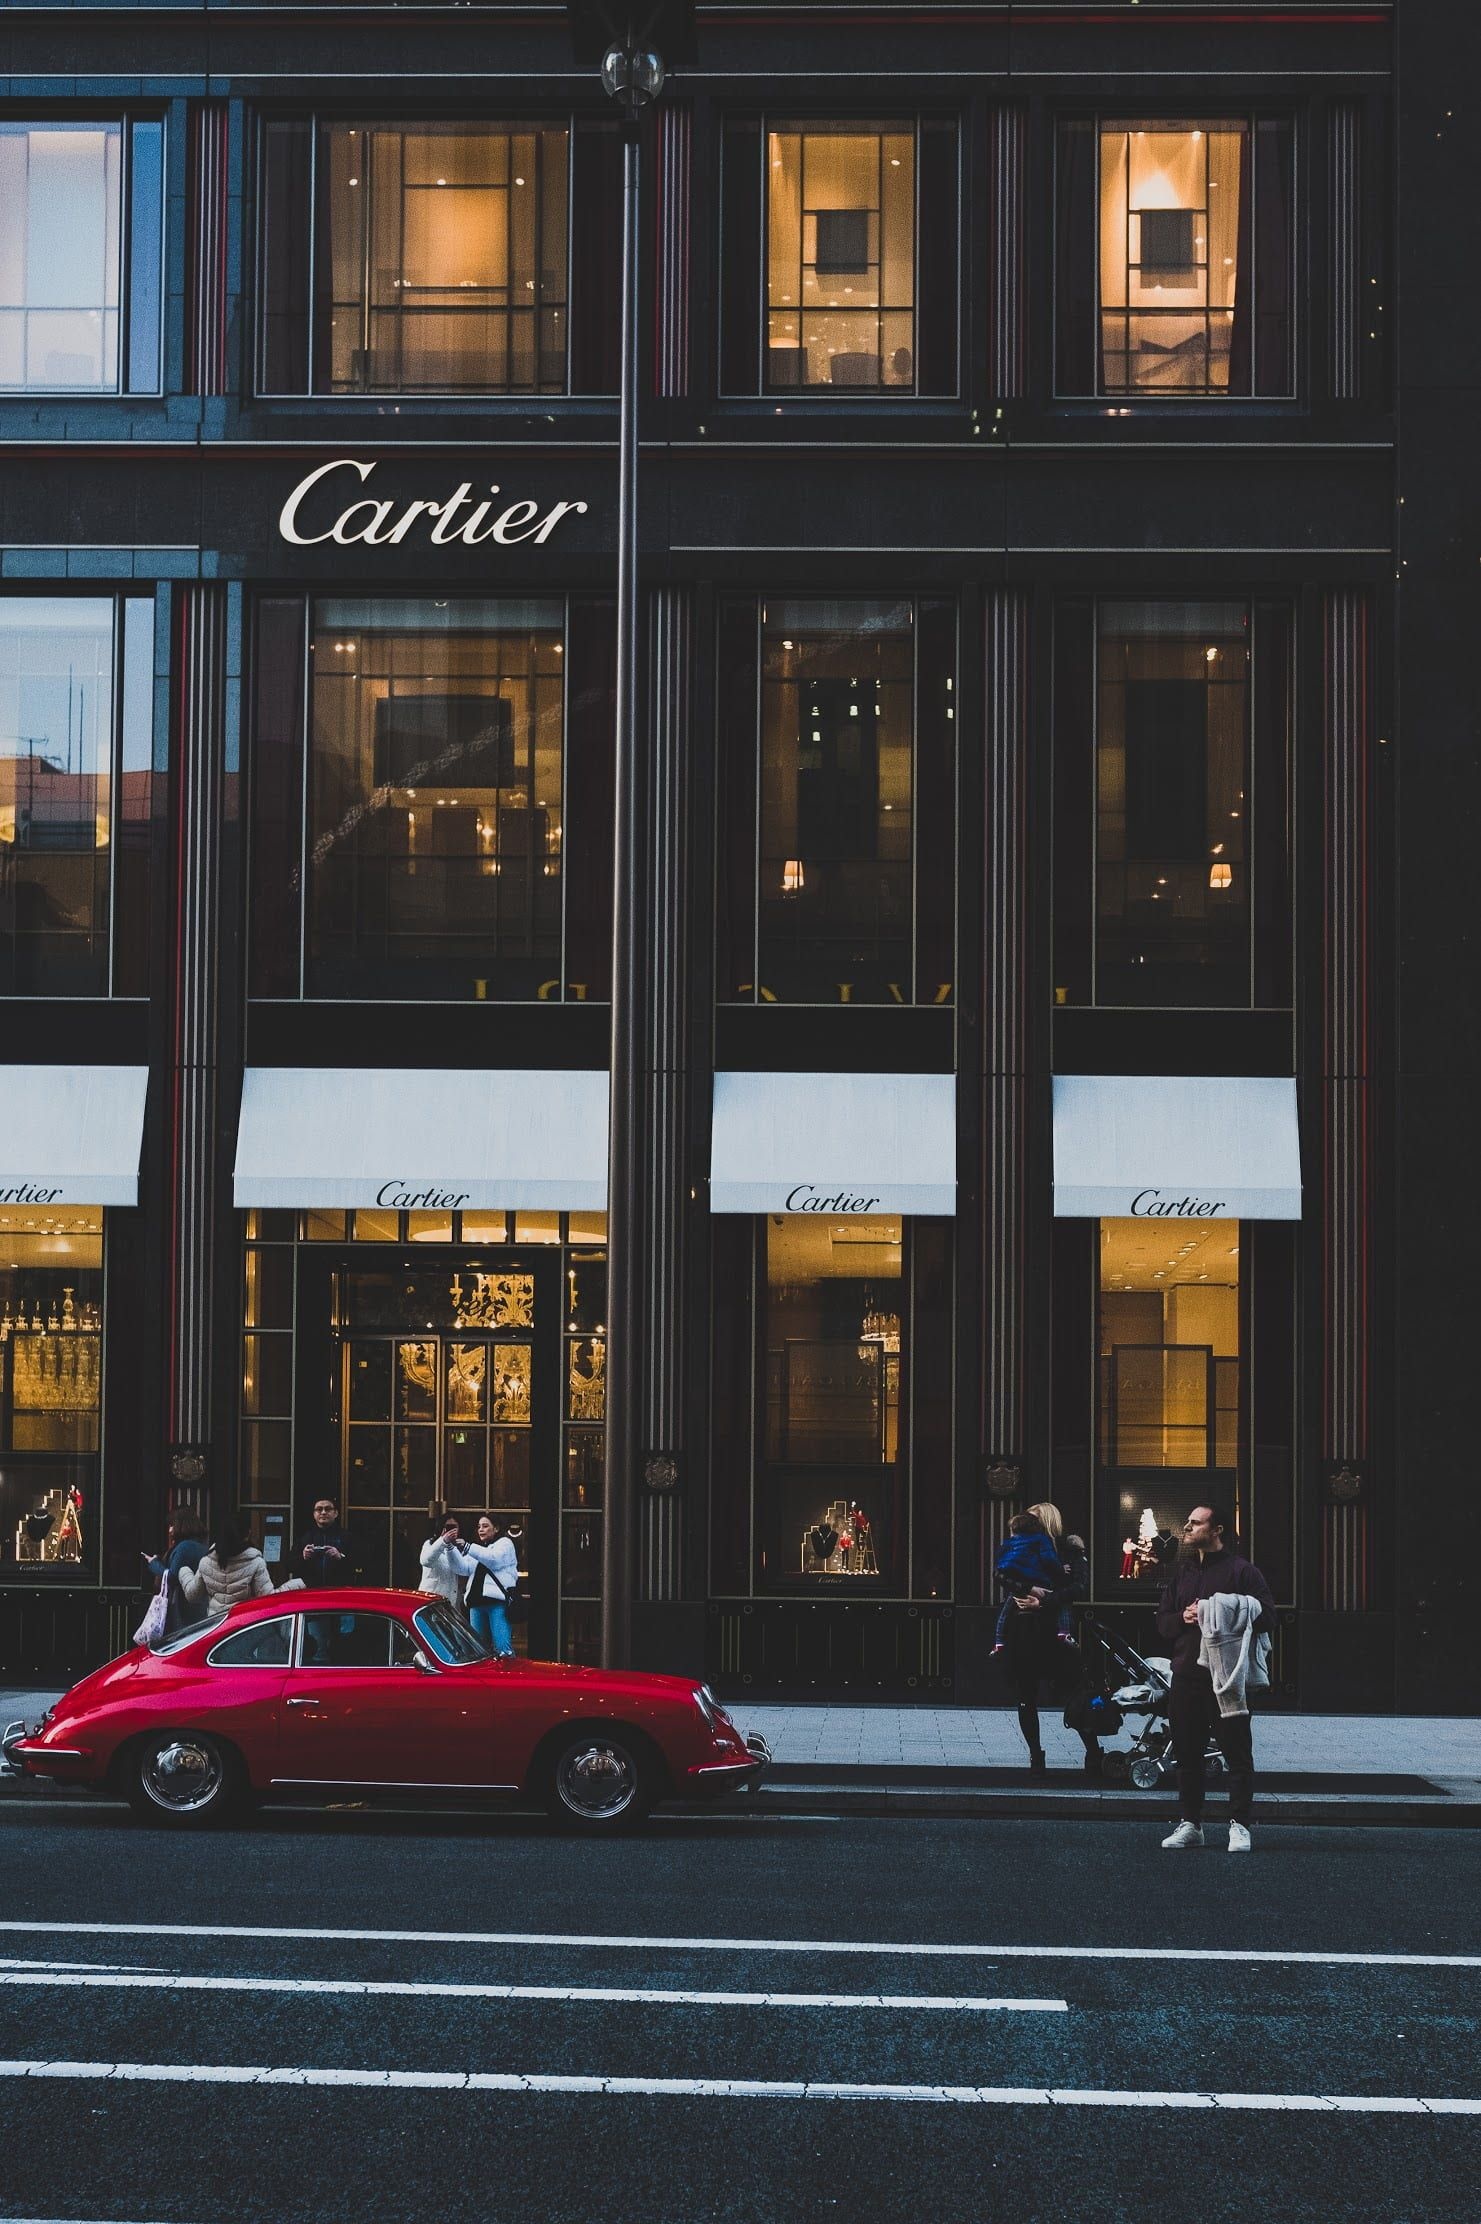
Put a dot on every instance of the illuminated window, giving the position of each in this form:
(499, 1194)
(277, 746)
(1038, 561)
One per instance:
(51, 1376)
(1180, 235)
(840, 256)
(439, 263)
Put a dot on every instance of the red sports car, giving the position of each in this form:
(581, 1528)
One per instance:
(379, 1691)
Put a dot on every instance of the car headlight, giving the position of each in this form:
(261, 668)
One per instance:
(709, 1706)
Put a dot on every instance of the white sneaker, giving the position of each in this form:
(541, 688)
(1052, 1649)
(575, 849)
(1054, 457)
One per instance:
(1239, 1838)
(1187, 1835)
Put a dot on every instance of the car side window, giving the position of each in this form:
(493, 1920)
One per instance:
(260, 1645)
(355, 1641)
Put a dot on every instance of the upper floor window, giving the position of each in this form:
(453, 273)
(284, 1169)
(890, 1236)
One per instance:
(837, 832)
(409, 804)
(432, 258)
(76, 794)
(839, 256)
(1176, 258)
(1172, 856)
(81, 209)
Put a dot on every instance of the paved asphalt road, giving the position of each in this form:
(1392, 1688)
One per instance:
(914, 1971)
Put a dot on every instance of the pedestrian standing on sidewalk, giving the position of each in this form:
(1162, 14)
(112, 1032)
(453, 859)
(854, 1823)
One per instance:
(231, 1571)
(1209, 1565)
(491, 1566)
(1033, 1653)
(325, 1560)
(440, 1577)
(185, 1547)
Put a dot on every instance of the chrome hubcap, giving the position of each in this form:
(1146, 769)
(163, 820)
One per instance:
(596, 1780)
(182, 1776)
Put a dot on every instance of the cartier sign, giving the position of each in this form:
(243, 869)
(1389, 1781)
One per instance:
(317, 512)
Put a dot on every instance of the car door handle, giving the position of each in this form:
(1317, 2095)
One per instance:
(304, 1702)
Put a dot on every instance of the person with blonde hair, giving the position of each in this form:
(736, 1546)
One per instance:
(1032, 1653)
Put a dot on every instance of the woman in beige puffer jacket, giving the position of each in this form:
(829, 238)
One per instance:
(231, 1571)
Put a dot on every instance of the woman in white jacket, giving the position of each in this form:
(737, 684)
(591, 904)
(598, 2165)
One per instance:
(440, 1576)
(491, 1566)
(231, 1571)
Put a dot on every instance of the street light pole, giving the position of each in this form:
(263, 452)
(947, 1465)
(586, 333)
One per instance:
(631, 44)
(619, 1446)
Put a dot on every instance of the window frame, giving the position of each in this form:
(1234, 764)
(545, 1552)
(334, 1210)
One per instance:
(1130, 398)
(915, 119)
(293, 1618)
(118, 597)
(387, 1666)
(137, 319)
(314, 120)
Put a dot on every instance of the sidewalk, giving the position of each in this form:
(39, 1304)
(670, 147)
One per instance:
(1312, 1767)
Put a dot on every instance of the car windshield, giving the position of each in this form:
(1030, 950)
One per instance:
(451, 1640)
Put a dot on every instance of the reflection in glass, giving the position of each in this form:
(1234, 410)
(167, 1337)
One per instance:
(56, 794)
(837, 754)
(1173, 805)
(436, 794)
(840, 271)
(61, 191)
(445, 269)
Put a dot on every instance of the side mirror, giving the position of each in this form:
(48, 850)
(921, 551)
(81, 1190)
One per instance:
(422, 1664)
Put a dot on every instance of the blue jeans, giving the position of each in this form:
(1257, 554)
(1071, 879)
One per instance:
(491, 1623)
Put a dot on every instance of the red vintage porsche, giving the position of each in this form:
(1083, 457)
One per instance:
(381, 1692)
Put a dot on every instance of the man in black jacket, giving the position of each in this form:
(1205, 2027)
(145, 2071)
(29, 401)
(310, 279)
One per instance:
(325, 1561)
(1205, 1565)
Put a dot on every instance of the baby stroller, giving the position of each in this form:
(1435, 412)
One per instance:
(1137, 1688)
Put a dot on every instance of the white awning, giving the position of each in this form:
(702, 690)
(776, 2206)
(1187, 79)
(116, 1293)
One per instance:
(1176, 1147)
(837, 1143)
(438, 1142)
(70, 1135)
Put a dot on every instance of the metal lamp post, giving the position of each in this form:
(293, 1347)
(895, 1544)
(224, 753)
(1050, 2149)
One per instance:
(632, 45)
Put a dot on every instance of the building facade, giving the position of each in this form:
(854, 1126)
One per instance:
(1051, 1085)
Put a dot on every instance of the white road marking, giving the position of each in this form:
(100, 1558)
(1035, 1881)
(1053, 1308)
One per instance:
(855, 1948)
(631, 1995)
(734, 2088)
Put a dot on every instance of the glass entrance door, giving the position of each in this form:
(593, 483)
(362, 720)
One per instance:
(446, 1397)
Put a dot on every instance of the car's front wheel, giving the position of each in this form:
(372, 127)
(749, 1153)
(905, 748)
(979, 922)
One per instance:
(599, 1780)
(184, 1777)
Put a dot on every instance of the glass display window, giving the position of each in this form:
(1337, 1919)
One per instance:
(1176, 257)
(841, 256)
(833, 1352)
(436, 782)
(51, 1388)
(76, 794)
(1173, 804)
(80, 256)
(438, 262)
(1170, 1426)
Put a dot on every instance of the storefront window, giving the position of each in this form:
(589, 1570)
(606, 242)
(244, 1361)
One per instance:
(1192, 242)
(838, 833)
(834, 1352)
(51, 1375)
(439, 264)
(76, 794)
(435, 797)
(1173, 805)
(840, 269)
(1169, 1391)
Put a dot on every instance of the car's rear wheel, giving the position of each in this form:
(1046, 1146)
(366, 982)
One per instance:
(599, 1780)
(185, 1778)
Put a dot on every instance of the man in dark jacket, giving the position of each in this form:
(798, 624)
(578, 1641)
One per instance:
(324, 1558)
(1209, 1562)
